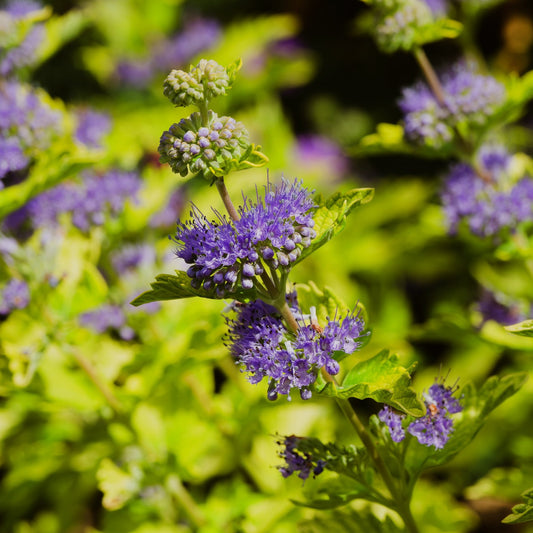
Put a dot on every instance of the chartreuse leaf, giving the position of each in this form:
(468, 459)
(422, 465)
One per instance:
(523, 512)
(117, 486)
(46, 173)
(328, 305)
(524, 329)
(382, 379)
(477, 405)
(330, 217)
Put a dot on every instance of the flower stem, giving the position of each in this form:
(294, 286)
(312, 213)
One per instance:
(401, 507)
(102, 386)
(440, 95)
(431, 75)
(177, 489)
(204, 112)
(224, 194)
(287, 314)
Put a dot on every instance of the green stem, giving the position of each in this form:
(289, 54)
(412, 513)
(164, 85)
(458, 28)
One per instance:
(204, 112)
(101, 385)
(177, 489)
(401, 507)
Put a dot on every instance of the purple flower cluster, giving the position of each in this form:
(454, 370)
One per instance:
(107, 318)
(197, 36)
(316, 151)
(394, 423)
(132, 256)
(492, 309)
(170, 212)
(189, 146)
(88, 202)
(487, 207)
(11, 157)
(265, 348)
(469, 97)
(91, 127)
(435, 427)
(298, 461)
(437, 7)
(226, 256)
(15, 295)
(24, 53)
(27, 125)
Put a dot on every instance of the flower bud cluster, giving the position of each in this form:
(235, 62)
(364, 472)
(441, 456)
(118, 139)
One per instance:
(469, 98)
(433, 429)
(487, 207)
(227, 256)
(399, 22)
(297, 460)
(188, 146)
(265, 348)
(202, 83)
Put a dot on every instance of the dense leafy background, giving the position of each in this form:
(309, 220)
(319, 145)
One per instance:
(172, 438)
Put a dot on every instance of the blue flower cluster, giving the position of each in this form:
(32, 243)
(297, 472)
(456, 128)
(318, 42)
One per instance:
(87, 202)
(469, 97)
(260, 342)
(105, 318)
(226, 256)
(504, 312)
(91, 127)
(197, 35)
(14, 295)
(13, 58)
(298, 461)
(27, 126)
(132, 256)
(433, 429)
(487, 207)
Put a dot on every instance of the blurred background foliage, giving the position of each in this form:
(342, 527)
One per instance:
(148, 426)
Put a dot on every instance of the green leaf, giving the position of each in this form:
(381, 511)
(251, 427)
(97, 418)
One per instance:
(354, 521)
(525, 328)
(523, 512)
(117, 486)
(390, 138)
(170, 287)
(382, 379)
(330, 217)
(476, 408)
(334, 492)
(326, 302)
